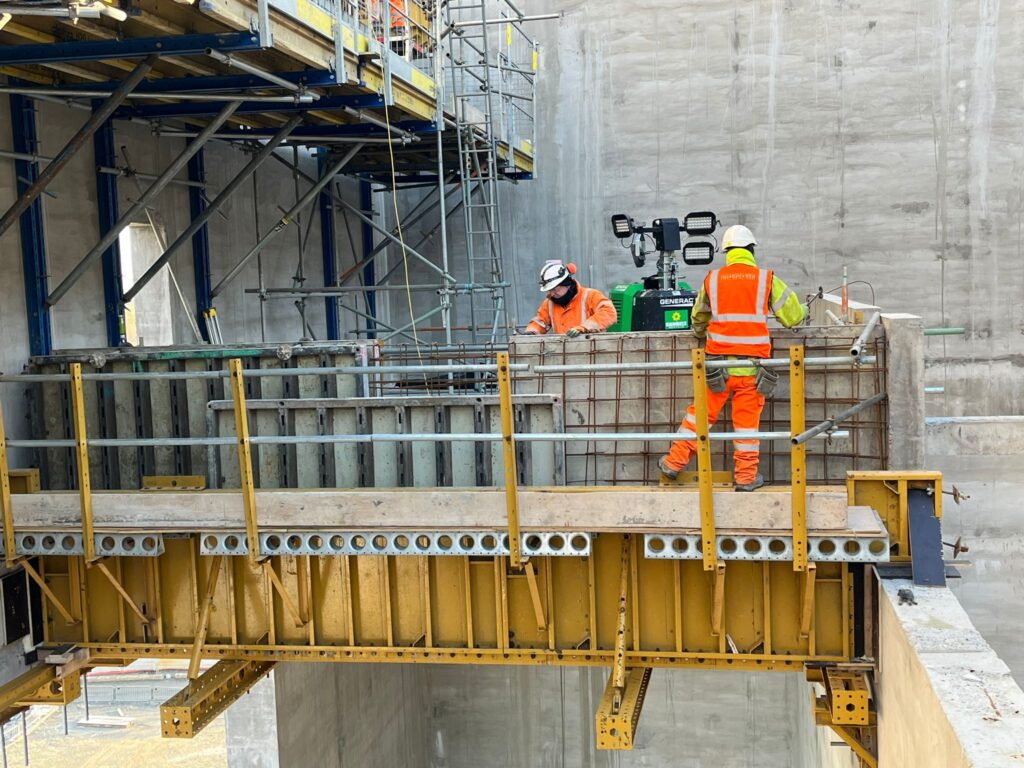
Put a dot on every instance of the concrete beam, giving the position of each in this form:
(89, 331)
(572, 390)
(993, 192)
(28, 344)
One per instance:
(904, 382)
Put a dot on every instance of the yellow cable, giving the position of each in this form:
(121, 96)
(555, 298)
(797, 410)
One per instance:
(401, 237)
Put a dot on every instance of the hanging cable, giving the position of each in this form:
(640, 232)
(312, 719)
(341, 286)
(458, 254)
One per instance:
(398, 226)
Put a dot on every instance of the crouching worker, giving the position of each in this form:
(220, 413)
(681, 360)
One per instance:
(569, 307)
(731, 314)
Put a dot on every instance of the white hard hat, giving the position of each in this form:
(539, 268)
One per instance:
(552, 274)
(737, 236)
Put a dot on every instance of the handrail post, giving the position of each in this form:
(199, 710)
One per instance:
(245, 459)
(508, 447)
(704, 479)
(798, 457)
(82, 460)
(5, 498)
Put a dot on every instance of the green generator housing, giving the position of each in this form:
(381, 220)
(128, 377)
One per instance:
(645, 309)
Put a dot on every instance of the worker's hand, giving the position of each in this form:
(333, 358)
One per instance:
(574, 332)
(530, 333)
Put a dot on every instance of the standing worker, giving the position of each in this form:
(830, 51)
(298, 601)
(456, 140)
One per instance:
(569, 307)
(731, 313)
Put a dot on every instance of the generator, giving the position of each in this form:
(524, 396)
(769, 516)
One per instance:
(661, 302)
(652, 309)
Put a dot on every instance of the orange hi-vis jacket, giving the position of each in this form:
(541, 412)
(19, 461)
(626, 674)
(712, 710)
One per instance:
(739, 295)
(589, 308)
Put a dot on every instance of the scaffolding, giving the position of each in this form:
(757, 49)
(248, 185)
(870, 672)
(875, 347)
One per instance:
(428, 106)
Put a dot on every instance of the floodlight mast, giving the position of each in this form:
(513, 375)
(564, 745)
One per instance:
(665, 232)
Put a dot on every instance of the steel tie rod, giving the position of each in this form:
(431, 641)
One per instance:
(836, 420)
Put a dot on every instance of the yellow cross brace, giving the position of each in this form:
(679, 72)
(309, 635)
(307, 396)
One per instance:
(5, 498)
(82, 460)
(248, 484)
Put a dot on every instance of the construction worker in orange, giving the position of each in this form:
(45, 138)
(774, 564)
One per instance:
(731, 314)
(569, 307)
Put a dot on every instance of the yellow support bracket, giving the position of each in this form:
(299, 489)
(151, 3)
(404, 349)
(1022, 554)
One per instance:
(718, 600)
(538, 606)
(23, 480)
(615, 727)
(102, 566)
(846, 708)
(248, 483)
(886, 492)
(508, 448)
(82, 460)
(705, 480)
(45, 589)
(278, 585)
(173, 483)
(798, 457)
(200, 702)
(807, 600)
(26, 685)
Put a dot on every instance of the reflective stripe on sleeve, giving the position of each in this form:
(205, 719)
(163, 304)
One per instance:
(777, 305)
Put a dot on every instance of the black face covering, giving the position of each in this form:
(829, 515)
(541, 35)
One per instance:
(566, 297)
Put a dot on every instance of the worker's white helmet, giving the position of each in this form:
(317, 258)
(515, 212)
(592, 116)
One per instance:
(554, 273)
(737, 236)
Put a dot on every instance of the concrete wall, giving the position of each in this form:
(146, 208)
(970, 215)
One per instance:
(463, 717)
(944, 697)
(884, 136)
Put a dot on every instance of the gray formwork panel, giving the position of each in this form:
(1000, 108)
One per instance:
(401, 464)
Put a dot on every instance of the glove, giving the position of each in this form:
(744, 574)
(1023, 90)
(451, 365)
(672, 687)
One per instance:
(576, 331)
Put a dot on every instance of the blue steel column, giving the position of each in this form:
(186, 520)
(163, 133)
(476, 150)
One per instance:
(200, 242)
(327, 249)
(366, 235)
(106, 197)
(33, 241)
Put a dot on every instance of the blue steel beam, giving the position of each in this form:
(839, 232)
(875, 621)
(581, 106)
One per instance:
(210, 108)
(330, 258)
(200, 243)
(201, 84)
(132, 47)
(33, 240)
(106, 196)
(369, 279)
(355, 130)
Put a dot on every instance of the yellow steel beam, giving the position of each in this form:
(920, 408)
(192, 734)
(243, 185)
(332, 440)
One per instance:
(196, 705)
(538, 607)
(203, 620)
(59, 690)
(798, 457)
(718, 600)
(24, 480)
(6, 509)
(508, 448)
(26, 685)
(45, 589)
(705, 480)
(248, 483)
(102, 566)
(807, 600)
(618, 678)
(82, 459)
(615, 726)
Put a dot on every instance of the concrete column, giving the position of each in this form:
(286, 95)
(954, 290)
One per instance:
(904, 381)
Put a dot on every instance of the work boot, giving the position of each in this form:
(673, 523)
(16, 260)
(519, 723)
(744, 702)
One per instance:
(753, 485)
(666, 470)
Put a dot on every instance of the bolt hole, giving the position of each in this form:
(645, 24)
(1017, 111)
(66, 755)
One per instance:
(358, 542)
(444, 542)
(294, 543)
(556, 542)
(728, 546)
(274, 542)
(579, 543)
(680, 544)
(827, 547)
(776, 546)
(466, 542)
(876, 547)
(316, 541)
(656, 545)
(852, 547)
(423, 542)
(107, 542)
(490, 543)
(231, 542)
(337, 542)
(49, 542)
(752, 546)
(533, 542)
(128, 543)
(401, 542)
(380, 542)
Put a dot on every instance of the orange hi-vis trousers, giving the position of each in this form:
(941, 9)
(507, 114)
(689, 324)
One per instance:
(747, 403)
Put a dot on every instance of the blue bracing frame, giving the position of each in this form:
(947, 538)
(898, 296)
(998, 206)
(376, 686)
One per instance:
(200, 242)
(132, 47)
(327, 249)
(369, 279)
(203, 108)
(199, 84)
(33, 240)
(106, 197)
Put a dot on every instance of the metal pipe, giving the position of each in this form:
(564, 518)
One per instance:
(780, 362)
(833, 318)
(336, 290)
(231, 61)
(286, 219)
(411, 437)
(368, 118)
(481, 22)
(944, 331)
(213, 206)
(141, 203)
(934, 390)
(858, 345)
(113, 171)
(258, 134)
(76, 142)
(832, 423)
(939, 420)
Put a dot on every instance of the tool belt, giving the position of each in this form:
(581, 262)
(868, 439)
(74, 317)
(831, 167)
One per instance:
(765, 381)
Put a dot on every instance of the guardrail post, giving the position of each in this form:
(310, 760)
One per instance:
(82, 460)
(798, 457)
(5, 497)
(252, 535)
(704, 478)
(508, 447)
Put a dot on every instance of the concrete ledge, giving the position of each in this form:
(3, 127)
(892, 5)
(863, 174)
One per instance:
(974, 435)
(944, 697)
